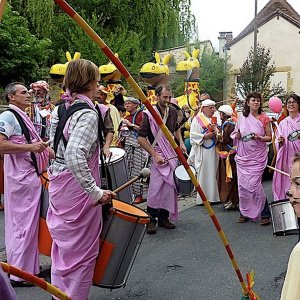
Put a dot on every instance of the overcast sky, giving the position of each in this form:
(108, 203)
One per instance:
(214, 16)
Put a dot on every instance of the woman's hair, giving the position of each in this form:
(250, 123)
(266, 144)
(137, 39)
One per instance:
(296, 98)
(246, 109)
(80, 74)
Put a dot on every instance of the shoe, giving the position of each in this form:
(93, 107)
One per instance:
(227, 203)
(242, 219)
(21, 283)
(151, 228)
(265, 221)
(165, 223)
(138, 200)
(230, 206)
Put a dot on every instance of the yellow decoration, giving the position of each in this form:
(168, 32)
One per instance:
(155, 74)
(190, 68)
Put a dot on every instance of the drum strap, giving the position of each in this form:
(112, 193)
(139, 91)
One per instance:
(26, 133)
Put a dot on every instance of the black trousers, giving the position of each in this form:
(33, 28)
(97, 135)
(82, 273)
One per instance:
(155, 213)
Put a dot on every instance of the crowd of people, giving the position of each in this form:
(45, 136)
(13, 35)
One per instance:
(228, 151)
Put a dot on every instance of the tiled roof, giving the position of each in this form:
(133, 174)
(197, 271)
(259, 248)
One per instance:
(272, 8)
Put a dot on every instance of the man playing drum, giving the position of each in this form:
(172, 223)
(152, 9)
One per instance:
(74, 190)
(22, 183)
(162, 193)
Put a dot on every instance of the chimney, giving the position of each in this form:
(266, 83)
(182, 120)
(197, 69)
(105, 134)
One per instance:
(229, 37)
(222, 42)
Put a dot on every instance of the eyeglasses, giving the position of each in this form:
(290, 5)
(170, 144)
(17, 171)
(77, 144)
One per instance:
(255, 100)
(291, 102)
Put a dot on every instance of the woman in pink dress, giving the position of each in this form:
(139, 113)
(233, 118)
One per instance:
(251, 134)
(287, 145)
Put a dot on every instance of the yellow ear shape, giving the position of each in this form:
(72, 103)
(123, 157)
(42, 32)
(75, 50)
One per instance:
(76, 55)
(166, 59)
(186, 54)
(157, 57)
(196, 53)
(68, 56)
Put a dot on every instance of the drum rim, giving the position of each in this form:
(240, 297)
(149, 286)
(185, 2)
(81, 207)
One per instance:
(130, 216)
(118, 159)
(191, 167)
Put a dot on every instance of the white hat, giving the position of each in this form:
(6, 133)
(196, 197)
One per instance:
(208, 102)
(226, 109)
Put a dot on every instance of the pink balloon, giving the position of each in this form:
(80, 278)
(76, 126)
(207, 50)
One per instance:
(275, 104)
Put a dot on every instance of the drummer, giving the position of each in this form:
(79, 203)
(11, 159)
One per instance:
(162, 193)
(74, 190)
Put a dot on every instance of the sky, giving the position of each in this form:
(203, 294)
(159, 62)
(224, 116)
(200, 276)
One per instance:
(213, 16)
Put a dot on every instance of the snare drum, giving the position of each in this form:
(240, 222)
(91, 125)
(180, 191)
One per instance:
(117, 168)
(294, 136)
(284, 219)
(248, 137)
(183, 181)
(45, 240)
(121, 237)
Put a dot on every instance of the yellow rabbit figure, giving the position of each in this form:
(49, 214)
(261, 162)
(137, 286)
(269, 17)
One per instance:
(190, 68)
(155, 74)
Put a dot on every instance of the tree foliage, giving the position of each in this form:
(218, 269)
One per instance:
(22, 56)
(134, 29)
(212, 74)
(256, 73)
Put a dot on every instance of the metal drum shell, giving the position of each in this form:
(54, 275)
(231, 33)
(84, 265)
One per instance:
(123, 230)
(284, 219)
(119, 174)
(184, 184)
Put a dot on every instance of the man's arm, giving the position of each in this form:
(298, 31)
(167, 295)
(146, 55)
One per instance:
(146, 146)
(178, 136)
(7, 147)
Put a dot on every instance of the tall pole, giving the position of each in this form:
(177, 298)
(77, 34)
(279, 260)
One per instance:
(2, 6)
(255, 29)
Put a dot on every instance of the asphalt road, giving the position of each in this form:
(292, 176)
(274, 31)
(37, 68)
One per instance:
(190, 262)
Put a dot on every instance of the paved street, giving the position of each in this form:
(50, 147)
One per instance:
(191, 263)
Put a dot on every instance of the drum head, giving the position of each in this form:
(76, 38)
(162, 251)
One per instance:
(294, 136)
(116, 155)
(181, 173)
(129, 212)
(248, 137)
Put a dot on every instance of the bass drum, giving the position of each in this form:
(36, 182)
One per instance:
(284, 219)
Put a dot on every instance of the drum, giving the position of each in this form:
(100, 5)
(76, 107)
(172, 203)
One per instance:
(248, 137)
(121, 237)
(45, 240)
(284, 219)
(183, 181)
(117, 168)
(294, 136)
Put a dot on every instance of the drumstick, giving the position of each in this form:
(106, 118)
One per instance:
(143, 174)
(171, 158)
(279, 171)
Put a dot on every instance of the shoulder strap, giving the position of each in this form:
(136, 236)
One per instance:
(63, 120)
(26, 133)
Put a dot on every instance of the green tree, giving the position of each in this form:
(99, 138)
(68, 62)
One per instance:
(22, 55)
(256, 73)
(212, 74)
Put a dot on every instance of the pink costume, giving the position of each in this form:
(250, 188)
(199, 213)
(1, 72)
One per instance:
(285, 155)
(22, 202)
(251, 160)
(75, 226)
(162, 191)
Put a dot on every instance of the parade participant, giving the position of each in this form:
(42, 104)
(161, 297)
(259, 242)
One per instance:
(25, 157)
(41, 109)
(136, 156)
(105, 97)
(162, 193)
(251, 134)
(291, 286)
(6, 290)
(227, 175)
(74, 190)
(203, 153)
(287, 144)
